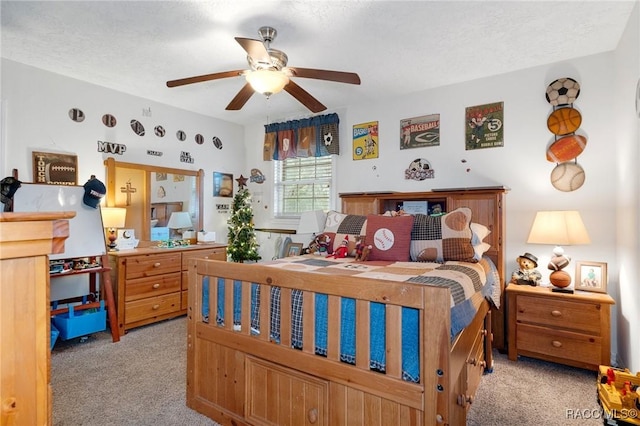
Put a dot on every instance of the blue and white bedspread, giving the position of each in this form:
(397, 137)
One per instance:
(465, 281)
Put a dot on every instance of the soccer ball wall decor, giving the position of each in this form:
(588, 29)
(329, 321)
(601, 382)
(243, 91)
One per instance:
(563, 91)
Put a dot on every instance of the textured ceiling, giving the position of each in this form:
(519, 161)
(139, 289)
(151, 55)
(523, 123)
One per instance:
(395, 46)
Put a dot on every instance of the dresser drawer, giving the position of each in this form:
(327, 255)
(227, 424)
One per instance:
(214, 253)
(139, 310)
(559, 313)
(148, 265)
(559, 344)
(140, 288)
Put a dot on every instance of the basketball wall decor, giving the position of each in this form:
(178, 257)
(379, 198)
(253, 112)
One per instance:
(567, 177)
(563, 121)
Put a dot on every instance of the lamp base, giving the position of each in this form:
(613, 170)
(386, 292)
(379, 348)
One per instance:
(562, 290)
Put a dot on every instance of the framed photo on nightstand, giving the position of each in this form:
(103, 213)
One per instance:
(591, 276)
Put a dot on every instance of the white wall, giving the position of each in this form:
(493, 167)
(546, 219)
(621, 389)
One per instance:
(627, 182)
(520, 165)
(36, 104)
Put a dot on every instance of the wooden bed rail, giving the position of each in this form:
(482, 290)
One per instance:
(430, 395)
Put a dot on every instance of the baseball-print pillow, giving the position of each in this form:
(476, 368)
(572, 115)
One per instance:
(389, 237)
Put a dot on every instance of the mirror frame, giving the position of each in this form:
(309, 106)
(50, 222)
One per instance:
(145, 234)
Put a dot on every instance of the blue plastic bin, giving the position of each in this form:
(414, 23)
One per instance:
(54, 334)
(80, 323)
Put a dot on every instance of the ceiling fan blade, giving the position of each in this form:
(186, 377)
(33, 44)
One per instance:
(206, 77)
(241, 98)
(255, 49)
(339, 76)
(304, 97)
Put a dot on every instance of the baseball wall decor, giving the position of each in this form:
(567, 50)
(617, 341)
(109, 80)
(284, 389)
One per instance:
(365, 141)
(419, 132)
(567, 177)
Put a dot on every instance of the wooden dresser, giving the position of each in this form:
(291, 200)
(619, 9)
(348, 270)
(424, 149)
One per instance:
(26, 239)
(572, 329)
(151, 283)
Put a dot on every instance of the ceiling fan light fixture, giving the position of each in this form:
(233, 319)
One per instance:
(267, 82)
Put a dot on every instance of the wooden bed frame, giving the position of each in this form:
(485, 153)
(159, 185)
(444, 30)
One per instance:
(237, 378)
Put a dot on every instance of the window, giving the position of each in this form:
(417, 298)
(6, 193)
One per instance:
(302, 184)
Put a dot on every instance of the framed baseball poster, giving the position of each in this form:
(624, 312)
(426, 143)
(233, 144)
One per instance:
(418, 132)
(55, 169)
(484, 126)
(365, 141)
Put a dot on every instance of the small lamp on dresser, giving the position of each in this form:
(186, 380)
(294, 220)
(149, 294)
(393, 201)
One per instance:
(112, 219)
(559, 228)
(180, 222)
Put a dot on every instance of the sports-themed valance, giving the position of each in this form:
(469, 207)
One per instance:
(308, 137)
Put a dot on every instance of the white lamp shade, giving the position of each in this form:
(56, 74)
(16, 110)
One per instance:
(179, 220)
(267, 82)
(558, 228)
(311, 222)
(113, 217)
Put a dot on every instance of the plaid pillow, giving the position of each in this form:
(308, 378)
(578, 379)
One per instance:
(345, 225)
(442, 238)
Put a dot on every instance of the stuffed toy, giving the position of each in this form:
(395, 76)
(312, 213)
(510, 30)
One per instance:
(362, 250)
(343, 250)
(527, 274)
(323, 244)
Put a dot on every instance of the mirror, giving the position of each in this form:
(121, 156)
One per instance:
(151, 193)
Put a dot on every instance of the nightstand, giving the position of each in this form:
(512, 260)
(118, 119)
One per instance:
(572, 329)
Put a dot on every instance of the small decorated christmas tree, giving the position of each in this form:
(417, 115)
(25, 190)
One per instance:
(242, 238)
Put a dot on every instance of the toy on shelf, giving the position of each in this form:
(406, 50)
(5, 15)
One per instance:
(527, 274)
(619, 395)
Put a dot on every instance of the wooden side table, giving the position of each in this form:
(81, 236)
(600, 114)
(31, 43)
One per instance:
(572, 329)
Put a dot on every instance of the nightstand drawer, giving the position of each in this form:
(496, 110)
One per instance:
(152, 286)
(559, 313)
(560, 344)
(148, 265)
(139, 310)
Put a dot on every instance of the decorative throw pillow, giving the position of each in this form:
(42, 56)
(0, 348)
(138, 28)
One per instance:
(343, 226)
(389, 237)
(479, 231)
(443, 238)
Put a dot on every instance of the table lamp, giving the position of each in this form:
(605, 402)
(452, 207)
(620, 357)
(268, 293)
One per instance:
(180, 222)
(113, 218)
(558, 228)
(311, 222)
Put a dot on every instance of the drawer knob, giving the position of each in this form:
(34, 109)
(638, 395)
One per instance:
(556, 313)
(312, 415)
(155, 307)
(556, 344)
(156, 265)
(156, 285)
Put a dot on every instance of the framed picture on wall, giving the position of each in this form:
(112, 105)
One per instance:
(591, 276)
(54, 168)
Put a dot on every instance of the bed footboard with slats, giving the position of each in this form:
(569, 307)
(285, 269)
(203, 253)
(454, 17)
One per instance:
(237, 374)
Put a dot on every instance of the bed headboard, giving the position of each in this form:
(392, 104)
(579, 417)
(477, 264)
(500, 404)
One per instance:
(486, 204)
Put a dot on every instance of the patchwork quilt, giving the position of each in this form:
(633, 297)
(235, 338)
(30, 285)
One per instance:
(468, 283)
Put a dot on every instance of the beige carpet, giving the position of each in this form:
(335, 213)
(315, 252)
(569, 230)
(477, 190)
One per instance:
(141, 381)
